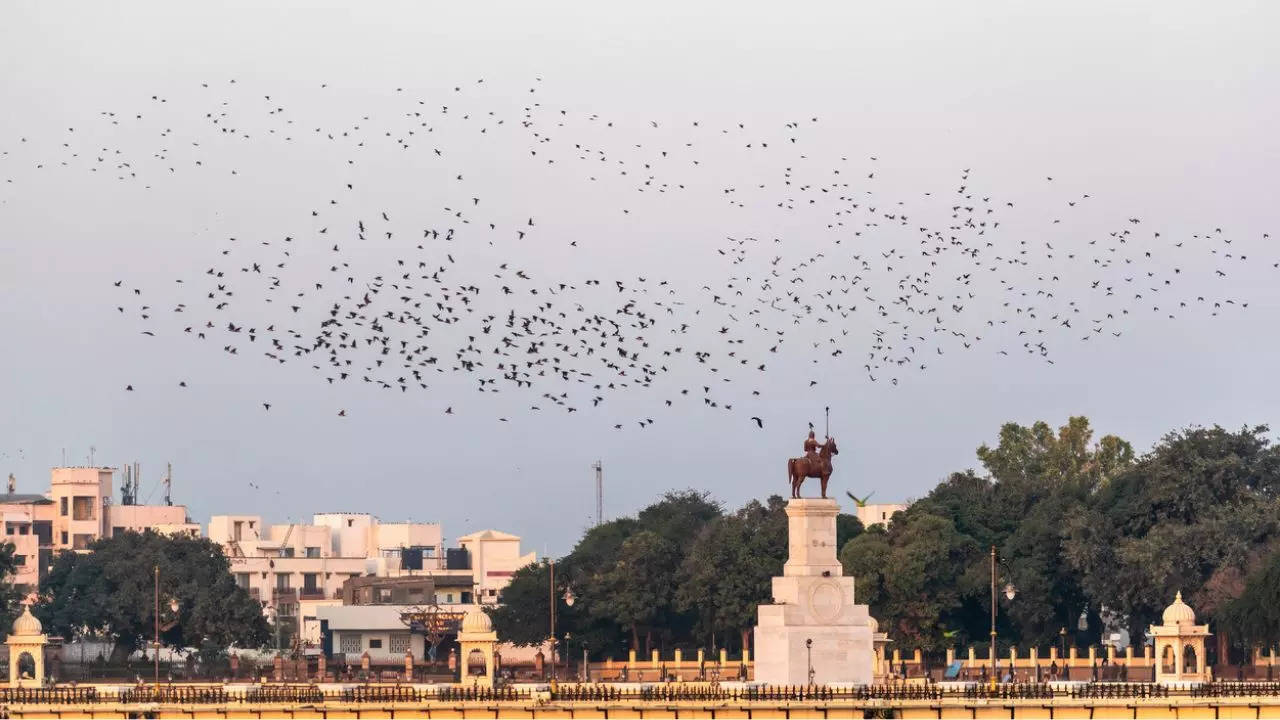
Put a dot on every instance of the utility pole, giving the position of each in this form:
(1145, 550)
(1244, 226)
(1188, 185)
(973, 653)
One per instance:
(994, 677)
(168, 485)
(599, 468)
(156, 649)
(551, 563)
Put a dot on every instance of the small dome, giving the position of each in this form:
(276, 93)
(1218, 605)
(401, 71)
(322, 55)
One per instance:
(875, 625)
(476, 621)
(1179, 613)
(27, 624)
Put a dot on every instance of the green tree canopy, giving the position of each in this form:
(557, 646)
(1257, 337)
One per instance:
(112, 590)
(1198, 506)
(10, 596)
(729, 570)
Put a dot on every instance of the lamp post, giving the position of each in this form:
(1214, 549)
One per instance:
(1009, 592)
(1062, 638)
(808, 651)
(173, 607)
(156, 646)
(551, 564)
(568, 601)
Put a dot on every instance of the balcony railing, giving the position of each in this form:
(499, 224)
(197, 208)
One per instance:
(314, 593)
(284, 594)
(254, 593)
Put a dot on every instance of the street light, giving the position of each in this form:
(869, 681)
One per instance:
(173, 606)
(1009, 592)
(808, 651)
(156, 648)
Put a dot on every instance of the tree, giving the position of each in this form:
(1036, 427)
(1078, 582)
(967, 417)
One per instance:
(638, 589)
(1196, 508)
(1036, 478)
(10, 596)
(913, 576)
(111, 590)
(1254, 616)
(729, 570)
(524, 616)
(847, 528)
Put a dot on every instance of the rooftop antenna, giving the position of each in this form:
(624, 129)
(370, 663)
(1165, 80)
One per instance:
(599, 468)
(168, 485)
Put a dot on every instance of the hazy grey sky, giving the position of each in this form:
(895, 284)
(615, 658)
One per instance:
(1164, 111)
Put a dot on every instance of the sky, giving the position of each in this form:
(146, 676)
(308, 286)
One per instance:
(1163, 112)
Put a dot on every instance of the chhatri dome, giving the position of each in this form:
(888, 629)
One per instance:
(475, 621)
(27, 624)
(1179, 613)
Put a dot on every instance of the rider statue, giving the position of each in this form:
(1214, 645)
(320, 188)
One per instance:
(811, 447)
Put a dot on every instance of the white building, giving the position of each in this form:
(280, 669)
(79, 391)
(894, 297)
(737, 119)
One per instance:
(495, 556)
(295, 569)
(878, 513)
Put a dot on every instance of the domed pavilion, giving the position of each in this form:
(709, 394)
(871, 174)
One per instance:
(26, 650)
(476, 644)
(1179, 645)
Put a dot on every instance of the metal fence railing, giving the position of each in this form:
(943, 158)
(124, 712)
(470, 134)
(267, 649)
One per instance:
(664, 692)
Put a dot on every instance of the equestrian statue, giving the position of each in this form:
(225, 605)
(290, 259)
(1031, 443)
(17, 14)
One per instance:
(816, 463)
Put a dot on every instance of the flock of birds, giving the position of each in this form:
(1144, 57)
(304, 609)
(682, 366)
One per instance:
(853, 275)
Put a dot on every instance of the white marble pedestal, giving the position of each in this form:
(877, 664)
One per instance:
(813, 601)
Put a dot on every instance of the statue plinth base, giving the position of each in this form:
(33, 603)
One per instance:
(813, 601)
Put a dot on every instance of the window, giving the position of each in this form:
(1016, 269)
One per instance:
(286, 552)
(242, 580)
(282, 581)
(235, 533)
(19, 560)
(384, 595)
(448, 597)
(309, 581)
(399, 643)
(81, 541)
(117, 530)
(22, 529)
(64, 535)
(82, 508)
(351, 642)
(375, 643)
(62, 508)
(313, 552)
(286, 610)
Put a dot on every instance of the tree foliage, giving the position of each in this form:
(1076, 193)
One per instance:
(10, 597)
(111, 590)
(1080, 526)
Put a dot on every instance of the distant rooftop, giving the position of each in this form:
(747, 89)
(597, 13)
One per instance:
(24, 499)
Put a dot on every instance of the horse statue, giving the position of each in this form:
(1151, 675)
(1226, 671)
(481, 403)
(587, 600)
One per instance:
(818, 466)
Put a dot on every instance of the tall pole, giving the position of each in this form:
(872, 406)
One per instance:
(156, 649)
(993, 614)
(827, 429)
(552, 563)
(599, 468)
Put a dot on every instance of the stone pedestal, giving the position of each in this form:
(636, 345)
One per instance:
(813, 601)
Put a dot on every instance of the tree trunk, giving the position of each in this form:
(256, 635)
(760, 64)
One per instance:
(635, 638)
(120, 653)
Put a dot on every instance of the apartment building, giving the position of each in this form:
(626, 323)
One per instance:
(76, 510)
